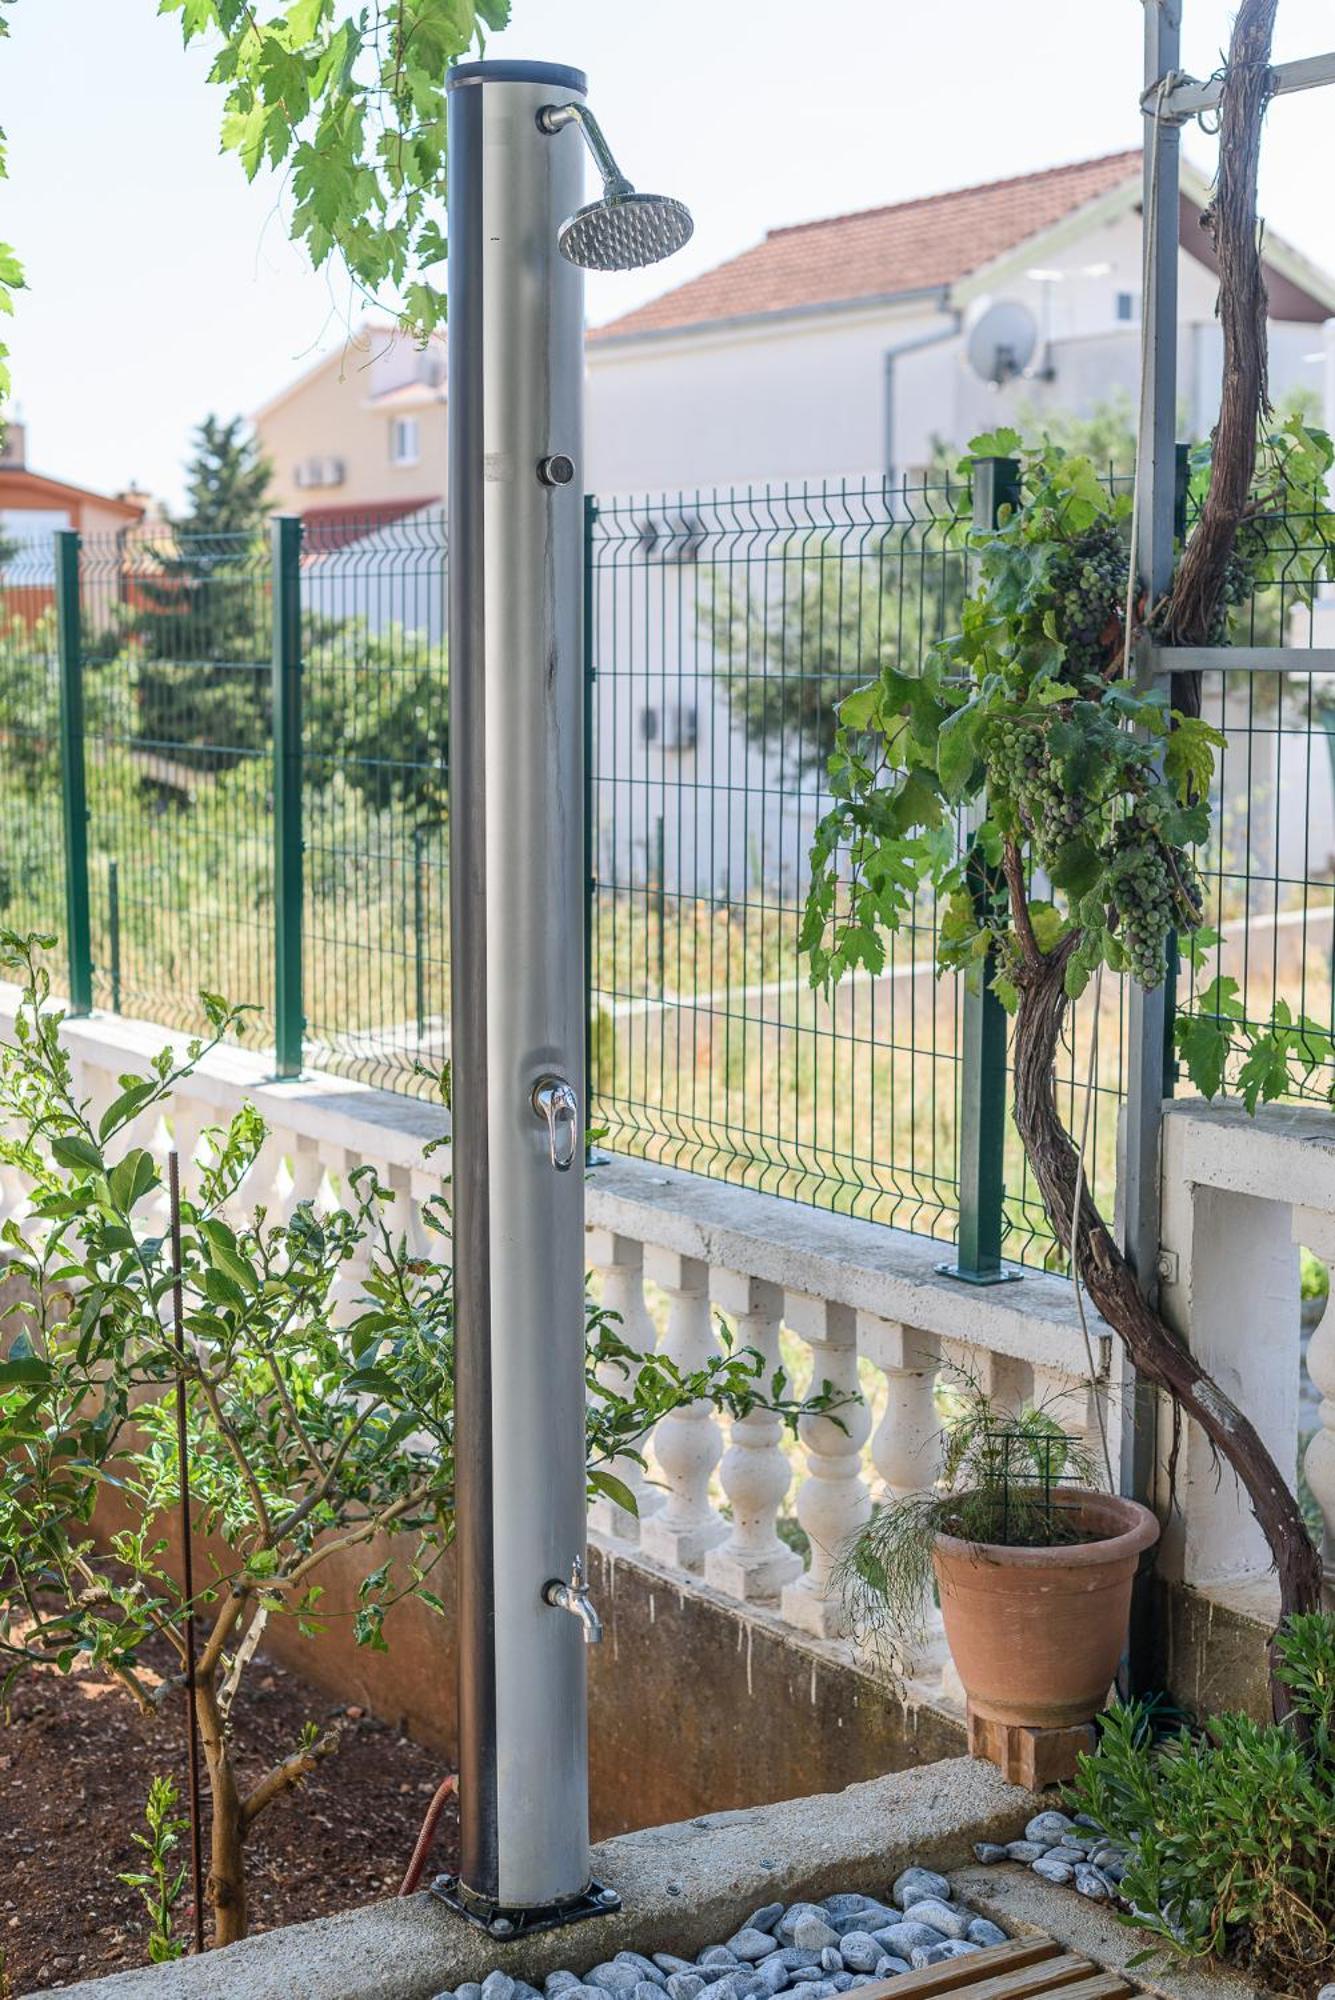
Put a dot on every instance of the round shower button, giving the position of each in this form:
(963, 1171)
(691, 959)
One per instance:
(558, 470)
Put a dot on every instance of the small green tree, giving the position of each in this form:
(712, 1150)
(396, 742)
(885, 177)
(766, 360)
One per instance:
(307, 1438)
(205, 609)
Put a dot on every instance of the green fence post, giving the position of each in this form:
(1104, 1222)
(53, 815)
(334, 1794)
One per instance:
(287, 766)
(73, 778)
(982, 1124)
(592, 1157)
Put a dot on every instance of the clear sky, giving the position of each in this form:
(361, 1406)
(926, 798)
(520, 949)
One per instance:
(162, 287)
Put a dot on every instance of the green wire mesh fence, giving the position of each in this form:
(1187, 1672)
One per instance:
(176, 636)
(32, 855)
(723, 628)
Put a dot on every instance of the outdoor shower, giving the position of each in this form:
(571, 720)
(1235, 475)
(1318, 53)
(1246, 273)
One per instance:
(519, 1105)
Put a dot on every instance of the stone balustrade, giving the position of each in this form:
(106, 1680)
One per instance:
(863, 1307)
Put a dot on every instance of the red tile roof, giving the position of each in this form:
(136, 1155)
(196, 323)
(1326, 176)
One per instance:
(911, 246)
(331, 527)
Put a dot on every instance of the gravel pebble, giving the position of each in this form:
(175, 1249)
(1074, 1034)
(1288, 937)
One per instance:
(685, 1986)
(937, 1954)
(943, 1916)
(813, 1934)
(1053, 1870)
(845, 1906)
(890, 1967)
(752, 1944)
(1048, 1827)
(644, 1966)
(498, 1985)
(774, 1975)
(788, 1922)
(667, 1961)
(609, 1977)
(831, 1960)
(902, 1940)
(1092, 1882)
(557, 1982)
(1025, 1850)
(914, 1884)
(989, 1851)
(860, 1951)
(982, 1931)
(765, 1918)
(470, 1990)
(719, 1954)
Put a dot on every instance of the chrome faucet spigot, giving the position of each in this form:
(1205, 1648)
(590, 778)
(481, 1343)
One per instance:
(574, 1597)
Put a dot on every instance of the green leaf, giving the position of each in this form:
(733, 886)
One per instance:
(1204, 1047)
(76, 1153)
(123, 1108)
(24, 1370)
(131, 1178)
(614, 1489)
(1002, 443)
(957, 750)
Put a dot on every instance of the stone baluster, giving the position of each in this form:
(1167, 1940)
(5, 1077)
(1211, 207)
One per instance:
(1317, 1232)
(906, 1452)
(347, 1296)
(832, 1501)
(753, 1563)
(687, 1444)
(1006, 1379)
(620, 1262)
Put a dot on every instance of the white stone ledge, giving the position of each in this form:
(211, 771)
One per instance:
(1282, 1152)
(382, 1125)
(864, 1265)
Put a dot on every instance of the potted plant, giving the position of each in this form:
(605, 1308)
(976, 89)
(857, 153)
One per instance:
(1032, 1564)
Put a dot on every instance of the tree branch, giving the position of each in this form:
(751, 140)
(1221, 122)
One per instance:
(283, 1777)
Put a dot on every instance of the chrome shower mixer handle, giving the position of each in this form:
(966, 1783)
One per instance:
(554, 1099)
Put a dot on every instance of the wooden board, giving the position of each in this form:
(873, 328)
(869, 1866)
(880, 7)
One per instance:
(1024, 1969)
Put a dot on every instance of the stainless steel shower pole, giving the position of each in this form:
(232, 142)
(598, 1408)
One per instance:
(517, 976)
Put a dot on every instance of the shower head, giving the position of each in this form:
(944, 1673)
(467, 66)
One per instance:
(622, 229)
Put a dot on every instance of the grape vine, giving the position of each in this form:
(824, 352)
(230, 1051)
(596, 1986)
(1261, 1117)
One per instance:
(1095, 792)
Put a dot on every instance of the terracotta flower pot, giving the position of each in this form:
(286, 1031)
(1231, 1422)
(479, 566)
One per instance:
(1036, 1634)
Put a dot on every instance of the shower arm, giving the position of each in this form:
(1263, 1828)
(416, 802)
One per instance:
(553, 117)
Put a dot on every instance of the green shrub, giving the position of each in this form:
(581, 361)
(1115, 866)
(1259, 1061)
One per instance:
(1231, 1828)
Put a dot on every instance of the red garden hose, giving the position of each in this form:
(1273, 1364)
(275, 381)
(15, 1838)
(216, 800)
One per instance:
(445, 1789)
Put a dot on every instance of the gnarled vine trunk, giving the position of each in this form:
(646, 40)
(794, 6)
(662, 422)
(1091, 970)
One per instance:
(1156, 1352)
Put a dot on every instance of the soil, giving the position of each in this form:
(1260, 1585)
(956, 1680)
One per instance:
(76, 1757)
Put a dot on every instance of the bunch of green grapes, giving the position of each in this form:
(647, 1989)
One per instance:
(1153, 891)
(1087, 581)
(1020, 768)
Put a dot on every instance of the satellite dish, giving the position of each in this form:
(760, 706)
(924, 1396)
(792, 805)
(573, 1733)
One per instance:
(1002, 341)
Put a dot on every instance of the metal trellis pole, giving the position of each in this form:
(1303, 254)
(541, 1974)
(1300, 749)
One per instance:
(983, 1026)
(1156, 460)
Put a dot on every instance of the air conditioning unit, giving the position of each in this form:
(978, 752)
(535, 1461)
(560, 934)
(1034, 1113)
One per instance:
(320, 472)
(673, 727)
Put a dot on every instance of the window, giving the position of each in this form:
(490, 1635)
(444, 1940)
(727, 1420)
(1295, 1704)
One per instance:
(1127, 304)
(404, 441)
